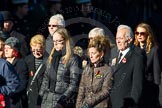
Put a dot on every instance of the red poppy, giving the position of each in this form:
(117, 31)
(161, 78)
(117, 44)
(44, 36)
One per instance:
(31, 73)
(124, 60)
(97, 72)
(2, 101)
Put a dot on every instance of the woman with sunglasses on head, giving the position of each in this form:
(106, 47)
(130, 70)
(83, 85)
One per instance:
(61, 78)
(144, 38)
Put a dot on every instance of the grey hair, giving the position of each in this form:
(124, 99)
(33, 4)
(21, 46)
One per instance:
(129, 33)
(97, 32)
(59, 18)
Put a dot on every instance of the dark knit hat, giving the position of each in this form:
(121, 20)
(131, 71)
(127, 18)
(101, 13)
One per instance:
(13, 42)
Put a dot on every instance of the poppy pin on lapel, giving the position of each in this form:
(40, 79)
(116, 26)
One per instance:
(31, 73)
(124, 60)
(97, 74)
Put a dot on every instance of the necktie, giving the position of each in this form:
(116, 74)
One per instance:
(119, 57)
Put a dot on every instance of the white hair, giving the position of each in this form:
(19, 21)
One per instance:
(129, 33)
(59, 18)
(96, 32)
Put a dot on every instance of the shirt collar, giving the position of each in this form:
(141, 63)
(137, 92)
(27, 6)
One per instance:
(124, 53)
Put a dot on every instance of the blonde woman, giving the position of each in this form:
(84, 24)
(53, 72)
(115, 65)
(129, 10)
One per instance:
(61, 77)
(36, 68)
(145, 39)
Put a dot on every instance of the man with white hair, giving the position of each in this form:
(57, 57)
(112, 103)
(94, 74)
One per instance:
(54, 22)
(128, 65)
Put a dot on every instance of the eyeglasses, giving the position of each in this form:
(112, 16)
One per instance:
(53, 25)
(58, 41)
(141, 33)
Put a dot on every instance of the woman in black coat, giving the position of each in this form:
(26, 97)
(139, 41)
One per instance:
(145, 39)
(36, 67)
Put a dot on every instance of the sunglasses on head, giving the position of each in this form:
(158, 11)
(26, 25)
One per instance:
(53, 25)
(141, 33)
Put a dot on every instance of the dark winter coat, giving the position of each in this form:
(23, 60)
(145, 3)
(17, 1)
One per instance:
(19, 97)
(9, 80)
(66, 85)
(33, 87)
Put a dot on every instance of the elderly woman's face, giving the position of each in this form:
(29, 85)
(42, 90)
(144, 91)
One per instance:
(52, 26)
(94, 55)
(58, 41)
(37, 50)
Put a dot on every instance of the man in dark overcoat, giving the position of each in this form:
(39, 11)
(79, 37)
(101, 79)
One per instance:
(128, 71)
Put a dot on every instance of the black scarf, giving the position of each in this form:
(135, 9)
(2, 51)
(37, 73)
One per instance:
(53, 69)
(100, 63)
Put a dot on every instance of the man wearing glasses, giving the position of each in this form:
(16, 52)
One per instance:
(54, 22)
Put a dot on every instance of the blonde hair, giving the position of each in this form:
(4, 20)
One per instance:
(150, 42)
(38, 39)
(64, 33)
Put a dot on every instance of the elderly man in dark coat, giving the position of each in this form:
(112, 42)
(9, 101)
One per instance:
(128, 71)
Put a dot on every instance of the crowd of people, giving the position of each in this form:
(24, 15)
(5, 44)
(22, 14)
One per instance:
(42, 66)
